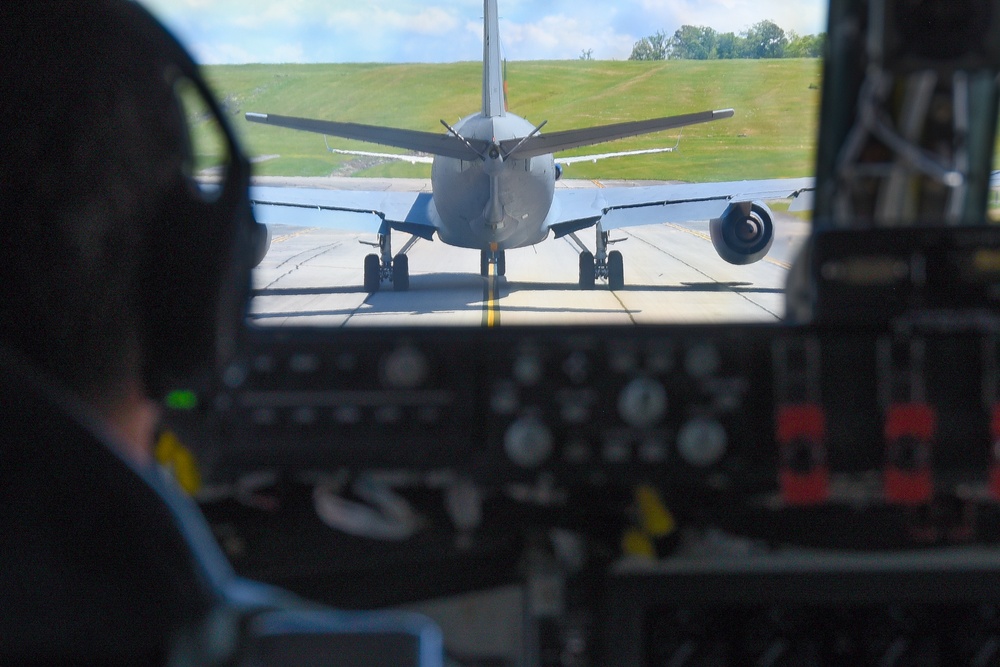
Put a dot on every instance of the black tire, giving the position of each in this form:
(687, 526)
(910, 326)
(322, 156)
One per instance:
(484, 263)
(401, 273)
(587, 275)
(616, 270)
(372, 273)
(501, 263)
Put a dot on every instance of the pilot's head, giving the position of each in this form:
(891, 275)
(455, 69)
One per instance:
(115, 266)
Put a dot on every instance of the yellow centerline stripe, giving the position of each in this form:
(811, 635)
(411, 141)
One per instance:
(492, 314)
(491, 307)
(285, 237)
(701, 235)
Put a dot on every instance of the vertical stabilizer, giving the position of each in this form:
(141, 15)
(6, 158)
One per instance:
(493, 102)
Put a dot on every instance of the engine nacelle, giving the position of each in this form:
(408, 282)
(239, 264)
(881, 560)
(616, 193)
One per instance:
(261, 242)
(744, 233)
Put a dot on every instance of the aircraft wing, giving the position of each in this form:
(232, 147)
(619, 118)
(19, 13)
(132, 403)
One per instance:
(578, 208)
(412, 159)
(351, 210)
(573, 159)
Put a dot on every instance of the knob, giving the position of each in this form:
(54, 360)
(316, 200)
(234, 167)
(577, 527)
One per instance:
(702, 442)
(702, 360)
(528, 442)
(642, 403)
(405, 368)
(528, 369)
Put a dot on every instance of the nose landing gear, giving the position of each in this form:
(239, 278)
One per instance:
(497, 257)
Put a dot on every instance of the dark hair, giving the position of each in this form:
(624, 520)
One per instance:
(93, 139)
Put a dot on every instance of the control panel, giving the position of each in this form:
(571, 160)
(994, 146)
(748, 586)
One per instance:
(807, 608)
(810, 414)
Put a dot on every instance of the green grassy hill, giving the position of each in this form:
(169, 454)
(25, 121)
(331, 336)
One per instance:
(772, 134)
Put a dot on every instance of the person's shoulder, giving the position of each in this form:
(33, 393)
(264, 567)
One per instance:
(94, 561)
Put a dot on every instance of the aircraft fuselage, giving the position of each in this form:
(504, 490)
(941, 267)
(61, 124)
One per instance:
(493, 204)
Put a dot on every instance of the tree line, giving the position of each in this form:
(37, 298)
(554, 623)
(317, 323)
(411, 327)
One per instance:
(761, 40)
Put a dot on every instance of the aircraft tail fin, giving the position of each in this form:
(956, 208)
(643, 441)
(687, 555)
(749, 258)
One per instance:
(494, 103)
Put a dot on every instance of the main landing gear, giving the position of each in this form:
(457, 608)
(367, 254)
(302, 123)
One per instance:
(604, 264)
(497, 257)
(383, 267)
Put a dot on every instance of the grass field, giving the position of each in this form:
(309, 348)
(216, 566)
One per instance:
(771, 135)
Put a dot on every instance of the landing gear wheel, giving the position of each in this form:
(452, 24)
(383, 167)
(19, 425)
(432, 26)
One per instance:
(372, 273)
(587, 274)
(616, 270)
(501, 263)
(484, 263)
(401, 273)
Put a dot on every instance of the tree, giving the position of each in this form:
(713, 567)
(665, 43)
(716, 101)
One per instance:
(761, 40)
(653, 47)
(692, 42)
(586, 54)
(729, 46)
(805, 46)
(765, 40)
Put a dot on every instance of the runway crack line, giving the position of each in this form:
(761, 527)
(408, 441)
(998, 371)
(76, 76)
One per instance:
(697, 270)
(406, 247)
(624, 307)
(325, 249)
(354, 312)
(583, 248)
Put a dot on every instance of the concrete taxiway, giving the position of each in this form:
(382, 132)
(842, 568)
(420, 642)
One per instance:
(313, 276)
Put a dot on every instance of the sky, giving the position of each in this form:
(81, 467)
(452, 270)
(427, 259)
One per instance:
(283, 31)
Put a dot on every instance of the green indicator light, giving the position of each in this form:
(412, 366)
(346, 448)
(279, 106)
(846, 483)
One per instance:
(182, 399)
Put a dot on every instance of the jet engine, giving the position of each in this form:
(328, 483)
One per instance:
(744, 233)
(261, 242)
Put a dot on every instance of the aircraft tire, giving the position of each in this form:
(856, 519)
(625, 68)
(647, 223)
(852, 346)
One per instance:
(501, 263)
(587, 275)
(401, 273)
(372, 273)
(484, 263)
(616, 270)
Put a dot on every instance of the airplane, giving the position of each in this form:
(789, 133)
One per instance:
(493, 188)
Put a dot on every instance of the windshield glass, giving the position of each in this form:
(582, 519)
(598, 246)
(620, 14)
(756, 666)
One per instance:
(371, 233)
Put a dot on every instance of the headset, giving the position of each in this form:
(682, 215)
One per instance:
(199, 252)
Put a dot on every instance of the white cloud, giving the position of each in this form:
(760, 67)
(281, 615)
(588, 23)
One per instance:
(804, 17)
(375, 20)
(562, 37)
(287, 14)
(448, 30)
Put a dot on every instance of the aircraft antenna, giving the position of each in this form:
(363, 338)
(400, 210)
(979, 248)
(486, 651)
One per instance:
(521, 142)
(463, 140)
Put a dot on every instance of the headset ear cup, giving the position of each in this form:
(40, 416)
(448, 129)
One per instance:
(197, 251)
(183, 257)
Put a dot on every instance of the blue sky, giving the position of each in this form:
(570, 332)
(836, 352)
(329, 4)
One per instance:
(275, 31)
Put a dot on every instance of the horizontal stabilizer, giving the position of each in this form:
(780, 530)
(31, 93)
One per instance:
(446, 145)
(554, 142)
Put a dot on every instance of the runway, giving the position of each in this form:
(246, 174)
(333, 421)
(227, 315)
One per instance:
(313, 276)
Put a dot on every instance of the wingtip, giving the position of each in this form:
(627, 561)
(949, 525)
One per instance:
(723, 113)
(256, 117)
